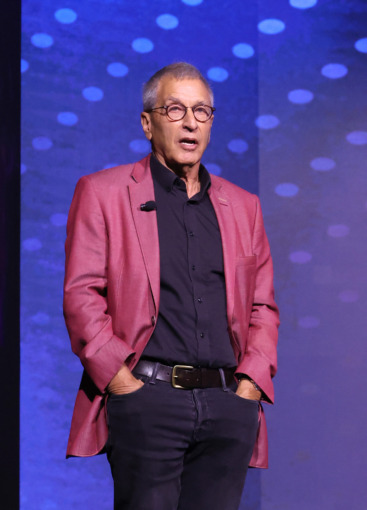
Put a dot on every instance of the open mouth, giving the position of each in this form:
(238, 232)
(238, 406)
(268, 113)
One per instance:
(188, 143)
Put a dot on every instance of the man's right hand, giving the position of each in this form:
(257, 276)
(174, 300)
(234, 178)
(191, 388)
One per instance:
(124, 382)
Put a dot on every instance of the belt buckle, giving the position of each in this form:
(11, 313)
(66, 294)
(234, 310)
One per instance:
(175, 376)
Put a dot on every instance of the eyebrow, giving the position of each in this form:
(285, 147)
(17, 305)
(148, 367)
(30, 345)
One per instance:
(176, 100)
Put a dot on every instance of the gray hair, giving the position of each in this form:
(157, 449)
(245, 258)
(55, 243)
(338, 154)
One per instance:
(178, 70)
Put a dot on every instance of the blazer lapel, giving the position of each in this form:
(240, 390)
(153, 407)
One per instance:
(141, 190)
(226, 222)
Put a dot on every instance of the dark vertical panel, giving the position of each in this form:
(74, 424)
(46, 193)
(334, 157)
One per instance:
(9, 252)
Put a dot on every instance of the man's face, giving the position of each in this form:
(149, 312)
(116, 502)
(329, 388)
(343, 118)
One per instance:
(178, 144)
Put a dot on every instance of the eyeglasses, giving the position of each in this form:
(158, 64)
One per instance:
(202, 112)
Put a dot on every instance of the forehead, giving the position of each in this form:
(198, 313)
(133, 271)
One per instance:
(189, 91)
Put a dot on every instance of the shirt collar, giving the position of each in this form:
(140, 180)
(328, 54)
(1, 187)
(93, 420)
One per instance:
(167, 179)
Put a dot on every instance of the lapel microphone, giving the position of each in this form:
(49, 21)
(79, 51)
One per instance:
(148, 206)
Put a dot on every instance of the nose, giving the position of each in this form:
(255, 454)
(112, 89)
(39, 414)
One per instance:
(189, 121)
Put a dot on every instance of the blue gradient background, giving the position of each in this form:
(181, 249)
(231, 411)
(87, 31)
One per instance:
(290, 127)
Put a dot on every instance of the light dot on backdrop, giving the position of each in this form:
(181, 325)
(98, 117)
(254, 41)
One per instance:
(41, 318)
(300, 96)
(361, 45)
(238, 146)
(117, 69)
(302, 4)
(42, 40)
(140, 146)
(24, 65)
(357, 137)
(338, 230)
(217, 74)
(58, 219)
(322, 164)
(32, 244)
(42, 143)
(271, 26)
(334, 71)
(267, 121)
(67, 118)
(66, 16)
(309, 322)
(192, 2)
(213, 168)
(167, 21)
(23, 168)
(142, 45)
(286, 189)
(243, 50)
(348, 296)
(300, 257)
(93, 94)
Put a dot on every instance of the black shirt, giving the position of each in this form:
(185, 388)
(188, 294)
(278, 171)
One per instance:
(191, 326)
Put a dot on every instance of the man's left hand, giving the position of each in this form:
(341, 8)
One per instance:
(246, 389)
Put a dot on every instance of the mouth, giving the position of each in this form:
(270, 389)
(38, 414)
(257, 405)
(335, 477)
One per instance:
(188, 143)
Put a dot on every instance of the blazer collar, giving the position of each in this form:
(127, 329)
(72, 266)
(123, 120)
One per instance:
(227, 226)
(141, 190)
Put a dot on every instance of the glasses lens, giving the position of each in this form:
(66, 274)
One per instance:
(202, 113)
(176, 111)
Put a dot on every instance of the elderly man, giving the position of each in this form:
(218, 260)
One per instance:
(169, 305)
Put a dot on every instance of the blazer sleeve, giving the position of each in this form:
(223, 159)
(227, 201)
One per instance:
(260, 358)
(101, 352)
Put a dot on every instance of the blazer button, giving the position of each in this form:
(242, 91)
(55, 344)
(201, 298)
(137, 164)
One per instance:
(154, 320)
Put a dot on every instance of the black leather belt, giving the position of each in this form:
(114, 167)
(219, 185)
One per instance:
(184, 376)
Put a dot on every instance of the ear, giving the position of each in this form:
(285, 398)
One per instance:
(146, 124)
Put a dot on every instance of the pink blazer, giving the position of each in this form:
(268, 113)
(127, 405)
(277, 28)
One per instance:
(112, 282)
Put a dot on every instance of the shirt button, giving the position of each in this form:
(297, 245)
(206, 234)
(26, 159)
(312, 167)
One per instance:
(191, 234)
(202, 335)
(200, 300)
(153, 319)
(193, 268)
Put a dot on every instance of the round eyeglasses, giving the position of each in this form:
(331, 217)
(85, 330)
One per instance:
(202, 112)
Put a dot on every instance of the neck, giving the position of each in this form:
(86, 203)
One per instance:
(189, 174)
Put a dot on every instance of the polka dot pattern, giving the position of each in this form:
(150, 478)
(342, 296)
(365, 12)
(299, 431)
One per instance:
(361, 45)
(142, 45)
(117, 69)
(334, 71)
(300, 96)
(42, 40)
(267, 122)
(243, 50)
(322, 164)
(67, 118)
(338, 230)
(42, 143)
(66, 16)
(357, 137)
(271, 26)
(167, 21)
(217, 74)
(238, 146)
(93, 94)
(303, 4)
(300, 257)
(141, 146)
(286, 189)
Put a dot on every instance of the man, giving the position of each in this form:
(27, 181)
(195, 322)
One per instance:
(169, 303)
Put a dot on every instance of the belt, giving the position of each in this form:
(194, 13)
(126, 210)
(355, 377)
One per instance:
(185, 376)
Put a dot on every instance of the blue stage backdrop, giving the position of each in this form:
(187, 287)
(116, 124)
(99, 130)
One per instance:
(290, 81)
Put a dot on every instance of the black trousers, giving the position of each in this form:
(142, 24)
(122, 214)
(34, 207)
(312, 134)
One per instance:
(174, 449)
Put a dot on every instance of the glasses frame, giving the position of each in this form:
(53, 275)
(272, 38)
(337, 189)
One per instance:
(193, 108)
